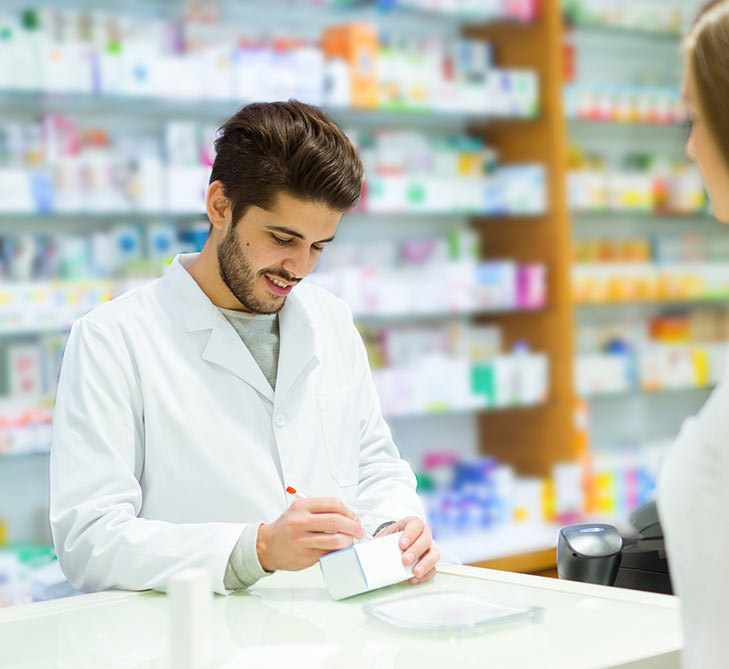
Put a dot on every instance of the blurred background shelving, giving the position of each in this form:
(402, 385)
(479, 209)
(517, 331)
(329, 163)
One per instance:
(529, 230)
(649, 260)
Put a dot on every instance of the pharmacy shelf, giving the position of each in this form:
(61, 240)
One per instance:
(52, 221)
(530, 445)
(636, 137)
(588, 30)
(161, 110)
(31, 331)
(638, 392)
(409, 19)
(668, 302)
(374, 319)
(289, 15)
(93, 218)
(640, 214)
(590, 122)
(24, 454)
(474, 409)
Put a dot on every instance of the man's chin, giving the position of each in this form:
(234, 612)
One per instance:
(271, 305)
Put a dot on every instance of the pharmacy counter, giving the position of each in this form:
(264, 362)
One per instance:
(288, 620)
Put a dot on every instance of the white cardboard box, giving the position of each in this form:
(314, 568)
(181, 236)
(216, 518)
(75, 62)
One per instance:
(365, 566)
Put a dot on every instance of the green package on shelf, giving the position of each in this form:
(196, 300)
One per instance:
(483, 382)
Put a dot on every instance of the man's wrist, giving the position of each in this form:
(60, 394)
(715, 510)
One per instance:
(262, 548)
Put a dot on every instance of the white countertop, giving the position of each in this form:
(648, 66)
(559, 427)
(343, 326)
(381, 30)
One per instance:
(289, 621)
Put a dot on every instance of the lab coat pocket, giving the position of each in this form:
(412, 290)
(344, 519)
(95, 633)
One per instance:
(340, 428)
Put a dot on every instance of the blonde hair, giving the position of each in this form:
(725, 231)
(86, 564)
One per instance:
(707, 57)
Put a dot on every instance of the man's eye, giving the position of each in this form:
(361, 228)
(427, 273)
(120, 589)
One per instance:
(318, 249)
(281, 241)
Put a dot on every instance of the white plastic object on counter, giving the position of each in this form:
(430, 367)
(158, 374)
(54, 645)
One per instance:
(190, 595)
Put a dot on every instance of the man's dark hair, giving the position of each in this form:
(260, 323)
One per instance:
(268, 148)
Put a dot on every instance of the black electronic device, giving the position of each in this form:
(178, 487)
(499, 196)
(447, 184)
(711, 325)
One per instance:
(596, 553)
(589, 553)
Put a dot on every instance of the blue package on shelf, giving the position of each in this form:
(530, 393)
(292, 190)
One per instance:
(41, 187)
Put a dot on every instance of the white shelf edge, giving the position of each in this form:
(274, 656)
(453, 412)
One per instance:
(640, 392)
(90, 103)
(462, 410)
(4, 457)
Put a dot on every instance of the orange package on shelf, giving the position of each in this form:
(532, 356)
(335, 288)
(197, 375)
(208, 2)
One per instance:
(357, 45)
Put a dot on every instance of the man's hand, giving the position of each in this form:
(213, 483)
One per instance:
(416, 543)
(307, 530)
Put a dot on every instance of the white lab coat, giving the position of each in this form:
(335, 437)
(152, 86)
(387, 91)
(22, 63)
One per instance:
(693, 506)
(168, 440)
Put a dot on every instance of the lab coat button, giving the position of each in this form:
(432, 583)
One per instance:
(280, 420)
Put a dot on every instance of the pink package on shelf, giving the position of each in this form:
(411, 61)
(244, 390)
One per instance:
(531, 286)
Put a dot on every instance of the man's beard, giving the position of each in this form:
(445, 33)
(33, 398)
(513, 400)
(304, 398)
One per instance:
(240, 277)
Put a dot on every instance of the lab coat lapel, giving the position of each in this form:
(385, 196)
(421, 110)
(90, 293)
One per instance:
(298, 350)
(226, 349)
(224, 346)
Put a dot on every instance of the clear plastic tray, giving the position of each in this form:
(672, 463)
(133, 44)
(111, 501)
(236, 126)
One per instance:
(447, 611)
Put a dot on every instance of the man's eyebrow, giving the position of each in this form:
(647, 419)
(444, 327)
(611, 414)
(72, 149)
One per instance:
(294, 233)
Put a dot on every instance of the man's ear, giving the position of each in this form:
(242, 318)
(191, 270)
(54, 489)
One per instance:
(218, 206)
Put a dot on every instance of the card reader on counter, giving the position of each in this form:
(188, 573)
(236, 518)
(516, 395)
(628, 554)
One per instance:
(596, 553)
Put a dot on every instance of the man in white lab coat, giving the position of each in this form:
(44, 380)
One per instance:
(187, 406)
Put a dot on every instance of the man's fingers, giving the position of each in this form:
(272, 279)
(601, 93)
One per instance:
(323, 505)
(412, 529)
(428, 577)
(333, 522)
(326, 542)
(427, 562)
(418, 547)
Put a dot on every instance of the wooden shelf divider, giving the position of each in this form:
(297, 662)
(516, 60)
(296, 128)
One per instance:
(533, 443)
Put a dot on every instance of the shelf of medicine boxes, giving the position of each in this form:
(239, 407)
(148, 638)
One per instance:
(613, 284)
(541, 558)
(316, 14)
(646, 114)
(162, 109)
(533, 443)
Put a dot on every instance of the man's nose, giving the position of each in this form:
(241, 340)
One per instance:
(298, 265)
